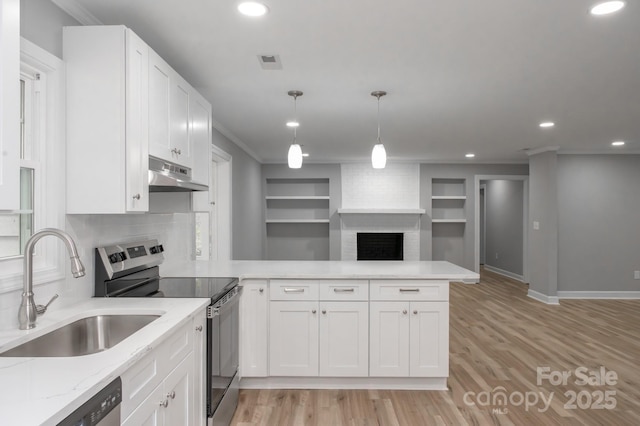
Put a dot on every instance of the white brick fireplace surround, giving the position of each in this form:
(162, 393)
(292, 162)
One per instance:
(384, 200)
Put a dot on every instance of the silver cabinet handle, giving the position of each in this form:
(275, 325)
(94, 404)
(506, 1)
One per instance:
(136, 197)
(324, 311)
(294, 290)
(262, 290)
(409, 290)
(343, 290)
(199, 328)
(176, 151)
(164, 403)
(172, 394)
(404, 312)
(313, 311)
(415, 312)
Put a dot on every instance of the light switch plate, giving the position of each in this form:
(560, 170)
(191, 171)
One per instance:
(636, 275)
(536, 225)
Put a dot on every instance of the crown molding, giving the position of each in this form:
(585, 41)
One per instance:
(77, 12)
(536, 151)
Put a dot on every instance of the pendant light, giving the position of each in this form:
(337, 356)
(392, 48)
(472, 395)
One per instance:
(295, 151)
(379, 154)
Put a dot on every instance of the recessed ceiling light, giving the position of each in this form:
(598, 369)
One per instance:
(470, 155)
(293, 124)
(607, 7)
(305, 154)
(547, 124)
(252, 8)
(618, 143)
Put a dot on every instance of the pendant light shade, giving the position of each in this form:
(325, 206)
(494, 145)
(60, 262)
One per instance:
(379, 154)
(294, 158)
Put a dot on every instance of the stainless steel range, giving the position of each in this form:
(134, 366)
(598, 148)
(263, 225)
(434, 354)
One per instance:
(131, 270)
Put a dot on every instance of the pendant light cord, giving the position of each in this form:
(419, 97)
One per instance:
(378, 119)
(295, 116)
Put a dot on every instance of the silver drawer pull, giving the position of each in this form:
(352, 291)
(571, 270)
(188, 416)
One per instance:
(294, 290)
(409, 290)
(343, 290)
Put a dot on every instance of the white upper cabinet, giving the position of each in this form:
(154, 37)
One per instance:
(179, 133)
(200, 111)
(9, 104)
(107, 120)
(159, 107)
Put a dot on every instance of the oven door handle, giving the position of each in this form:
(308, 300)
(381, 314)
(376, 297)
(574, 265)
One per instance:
(227, 300)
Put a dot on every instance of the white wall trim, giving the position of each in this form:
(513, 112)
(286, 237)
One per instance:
(77, 12)
(537, 151)
(549, 300)
(403, 383)
(504, 272)
(599, 295)
(525, 219)
(233, 138)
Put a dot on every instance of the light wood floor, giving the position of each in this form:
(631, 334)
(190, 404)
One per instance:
(499, 337)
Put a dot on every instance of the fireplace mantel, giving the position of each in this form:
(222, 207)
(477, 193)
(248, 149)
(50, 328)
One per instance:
(381, 211)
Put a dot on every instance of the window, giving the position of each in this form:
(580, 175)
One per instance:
(41, 182)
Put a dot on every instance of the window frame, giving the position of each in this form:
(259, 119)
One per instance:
(48, 159)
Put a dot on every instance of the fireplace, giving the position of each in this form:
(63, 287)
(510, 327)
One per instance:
(380, 246)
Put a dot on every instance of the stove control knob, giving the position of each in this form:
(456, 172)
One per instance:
(154, 250)
(160, 248)
(113, 258)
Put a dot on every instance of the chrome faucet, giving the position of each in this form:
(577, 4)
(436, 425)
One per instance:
(28, 312)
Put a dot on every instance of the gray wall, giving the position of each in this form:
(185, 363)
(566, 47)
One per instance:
(543, 208)
(246, 193)
(41, 23)
(465, 253)
(288, 238)
(504, 227)
(599, 222)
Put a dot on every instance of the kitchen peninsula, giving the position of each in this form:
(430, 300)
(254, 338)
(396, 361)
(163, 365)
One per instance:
(340, 324)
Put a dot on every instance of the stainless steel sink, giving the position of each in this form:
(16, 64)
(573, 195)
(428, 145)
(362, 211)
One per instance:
(82, 337)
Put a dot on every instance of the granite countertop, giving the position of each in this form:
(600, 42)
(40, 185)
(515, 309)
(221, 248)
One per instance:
(266, 269)
(39, 391)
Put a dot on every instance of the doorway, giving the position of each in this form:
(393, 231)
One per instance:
(213, 211)
(501, 231)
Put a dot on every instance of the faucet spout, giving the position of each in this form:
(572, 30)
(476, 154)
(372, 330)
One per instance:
(28, 313)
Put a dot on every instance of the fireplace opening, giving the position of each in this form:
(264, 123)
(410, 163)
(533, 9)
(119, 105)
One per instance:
(380, 246)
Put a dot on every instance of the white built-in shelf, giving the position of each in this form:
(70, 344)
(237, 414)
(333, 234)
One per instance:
(297, 220)
(381, 211)
(297, 197)
(449, 220)
(449, 197)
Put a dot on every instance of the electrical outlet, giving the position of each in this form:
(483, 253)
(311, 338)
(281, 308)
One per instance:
(496, 256)
(636, 275)
(536, 225)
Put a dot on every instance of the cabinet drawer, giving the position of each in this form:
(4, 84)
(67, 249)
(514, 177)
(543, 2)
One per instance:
(409, 290)
(139, 381)
(177, 347)
(293, 289)
(344, 289)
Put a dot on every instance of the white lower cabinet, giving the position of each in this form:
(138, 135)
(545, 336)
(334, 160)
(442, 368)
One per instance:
(170, 402)
(293, 338)
(254, 330)
(344, 339)
(167, 386)
(409, 339)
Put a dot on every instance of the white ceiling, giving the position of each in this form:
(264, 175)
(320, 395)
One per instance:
(461, 75)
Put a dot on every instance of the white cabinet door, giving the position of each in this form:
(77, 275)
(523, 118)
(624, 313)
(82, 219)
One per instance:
(9, 104)
(137, 127)
(159, 107)
(254, 321)
(429, 339)
(200, 118)
(199, 370)
(150, 411)
(179, 123)
(178, 388)
(389, 339)
(344, 339)
(293, 338)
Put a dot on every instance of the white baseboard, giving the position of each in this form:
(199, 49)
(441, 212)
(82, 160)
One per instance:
(503, 272)
(471, 281)
(599, 294)
(549, 300)
(402, 383)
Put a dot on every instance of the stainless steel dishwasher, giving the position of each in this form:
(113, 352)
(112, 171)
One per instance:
(102, 409)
